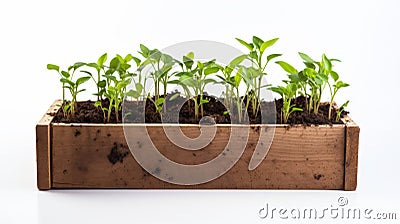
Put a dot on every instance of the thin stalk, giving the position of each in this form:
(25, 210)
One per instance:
(109, 109)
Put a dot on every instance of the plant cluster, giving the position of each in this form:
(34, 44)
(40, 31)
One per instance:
(242, 78)
(310, 82)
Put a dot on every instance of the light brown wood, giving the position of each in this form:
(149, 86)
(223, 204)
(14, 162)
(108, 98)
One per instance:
(43, 147)
(351, 162)
(80, 160)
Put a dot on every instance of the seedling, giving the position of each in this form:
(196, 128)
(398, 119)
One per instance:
(117, 84)
(100, 69)
(161, 66)
(68, 83)
(256, 51)
(232, 84)
(340, 110)
(112, 79)
(196, 79)
(186, 67)
(287, 92)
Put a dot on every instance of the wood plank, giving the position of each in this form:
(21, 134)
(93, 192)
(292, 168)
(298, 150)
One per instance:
(351, 164)
(43, 146)
(299, 158)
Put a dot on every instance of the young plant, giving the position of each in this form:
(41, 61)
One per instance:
(57, 69)
(100, 69)
(232, 83)
(318, 80)
(249, 75)
(256, 51)
(161, 65)
(187, 69)
(334, 88)
(68, 82)
(196, 79)
(298, 78)
(340, 110)
(117, 80)
(287, 92)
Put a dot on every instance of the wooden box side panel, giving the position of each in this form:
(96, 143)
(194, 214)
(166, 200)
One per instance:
(80, 159)
(306, 158)
(351, 165)
(43, 147)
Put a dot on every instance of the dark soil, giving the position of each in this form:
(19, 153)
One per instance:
(86, 112)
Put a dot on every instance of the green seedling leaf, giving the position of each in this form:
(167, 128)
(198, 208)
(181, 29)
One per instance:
(128, 58)
(272, 56)
(309, 72)
(203, 101)
(188, 62)
(66, 107)
(78, 65)
(287, 67)
(341, 84)
(102, 84)
(82, 80)
(145, 50)
(167, 59)
(236, 61)
(133, 93)
(257, 42)
(137, 60)
(254, 55)
(97, 104)
(53, 67)
(337, 60)
(190, 55)
(344, 105)
(334, 76)
(115, 63)
(327, 63)
(93, 65)
(64, 80)
(296, 109)
(65, 74)
(87, 72)
(139, 87)
(238, 79)
(155, 55)
(268, 44)
(295, 78)
(160, 101)
(309, 65)
(306, 58)
(102, 59)
(81, 90)
(278, 90)
(226, 112)
(173, 97)
(211, 70)
(244, 43)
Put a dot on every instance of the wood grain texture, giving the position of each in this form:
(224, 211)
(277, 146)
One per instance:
(43, 146)
(299, 158)
(351, 164)
(76, 156)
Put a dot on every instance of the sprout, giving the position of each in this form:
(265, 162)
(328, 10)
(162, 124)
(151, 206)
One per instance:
(287, 92)
(67, 81)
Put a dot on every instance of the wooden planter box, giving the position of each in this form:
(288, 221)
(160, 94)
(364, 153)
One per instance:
(316, 157)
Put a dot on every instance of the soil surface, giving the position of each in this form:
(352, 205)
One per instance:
(134, 112)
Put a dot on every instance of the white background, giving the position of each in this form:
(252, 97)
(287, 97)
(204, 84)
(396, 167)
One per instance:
(365, 35)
